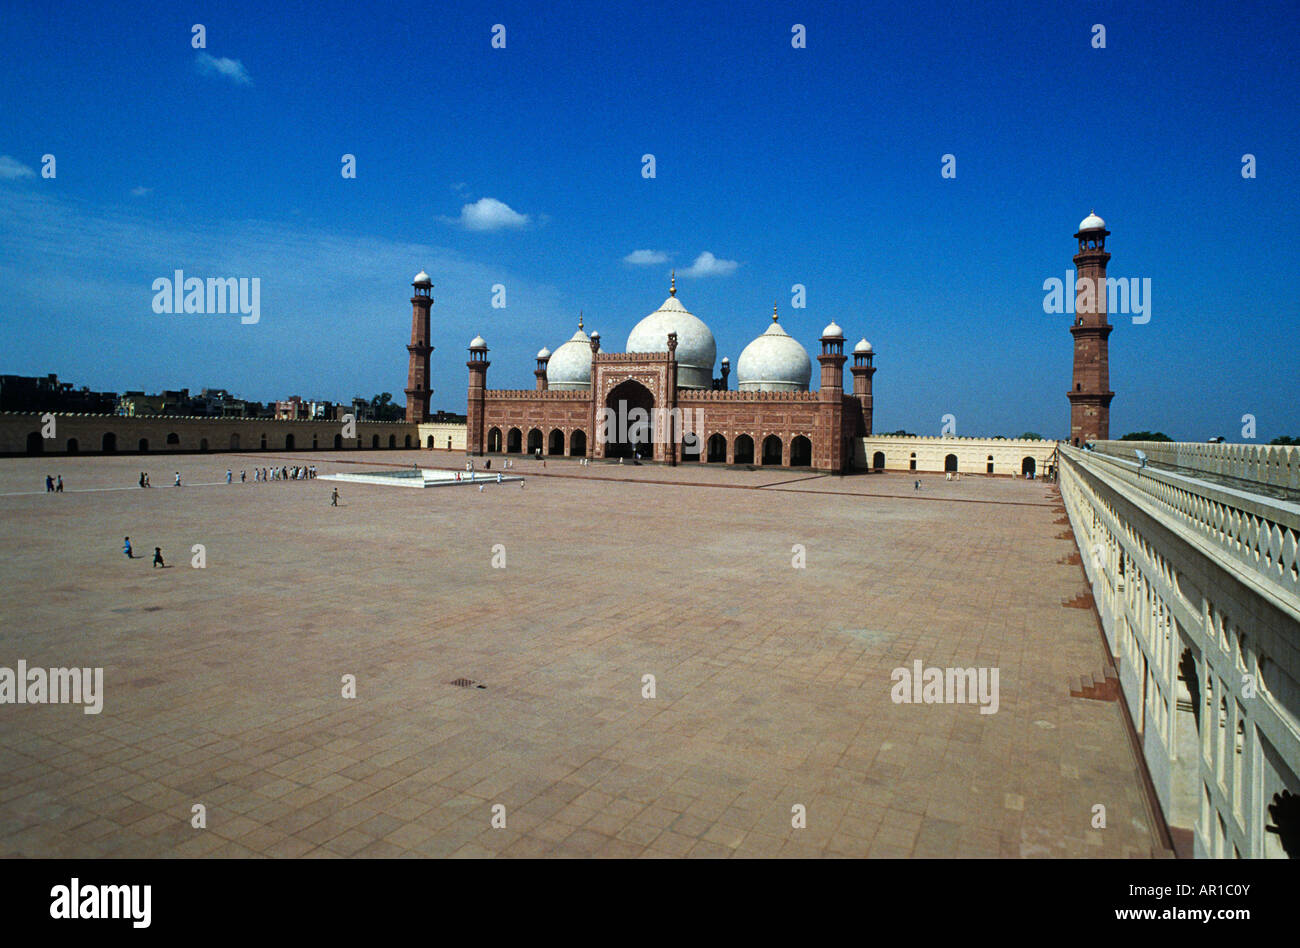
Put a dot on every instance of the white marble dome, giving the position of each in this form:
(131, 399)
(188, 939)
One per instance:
(478, 342)
(421, 277)
(774, 362)
(696, 349)
(833, 331)
(862, 346)
(569, 368)
(1092, 222)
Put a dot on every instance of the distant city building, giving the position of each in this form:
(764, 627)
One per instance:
(292, 409)
(321, 410)
(47, 393)
(361, 409)
(137, 404)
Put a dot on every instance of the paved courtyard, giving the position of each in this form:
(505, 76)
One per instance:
(223, 685)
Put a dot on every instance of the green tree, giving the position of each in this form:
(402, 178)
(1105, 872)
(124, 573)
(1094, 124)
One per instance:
(383, 409)
(1146, 436)
(1031, 436)
(1285, 439)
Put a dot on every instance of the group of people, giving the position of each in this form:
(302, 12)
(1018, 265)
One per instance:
(130, 554)
(53, 486)
(297, 472)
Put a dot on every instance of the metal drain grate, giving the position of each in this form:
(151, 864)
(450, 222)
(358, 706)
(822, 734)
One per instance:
(467, 683)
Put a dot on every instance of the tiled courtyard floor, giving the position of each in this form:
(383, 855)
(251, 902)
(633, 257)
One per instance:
(223, 684)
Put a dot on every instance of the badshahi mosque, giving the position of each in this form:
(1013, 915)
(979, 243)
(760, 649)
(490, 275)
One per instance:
(666, 371)
(669, 371)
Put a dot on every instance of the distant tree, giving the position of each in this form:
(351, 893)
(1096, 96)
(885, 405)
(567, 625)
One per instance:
(383, 409)
(1031, 436)
(1285, 439)
(1146, 436)
(900, 433)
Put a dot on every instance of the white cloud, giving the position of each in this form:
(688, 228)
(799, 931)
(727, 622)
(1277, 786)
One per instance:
(141, 191)
(642, 258)
(232, 69)
(13, 168)
(489, 214)
(706, 264)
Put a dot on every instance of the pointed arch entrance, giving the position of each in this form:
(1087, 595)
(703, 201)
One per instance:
(627, 426)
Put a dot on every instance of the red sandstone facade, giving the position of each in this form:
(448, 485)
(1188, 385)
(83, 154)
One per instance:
(1090, 393)
(786, 429)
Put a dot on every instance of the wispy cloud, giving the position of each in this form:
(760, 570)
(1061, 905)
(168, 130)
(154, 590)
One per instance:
(706, 264)
(232, 69)
(141, 191)
(489, 214)
(643, 258)
(315, 282)
(13, 168)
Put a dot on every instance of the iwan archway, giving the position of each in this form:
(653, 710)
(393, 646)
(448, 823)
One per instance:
(627, 428)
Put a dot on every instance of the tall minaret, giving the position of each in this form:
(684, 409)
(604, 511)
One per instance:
(831, 416)
(863, 370)
(417, 376)
(475, 411)
(1090, 392)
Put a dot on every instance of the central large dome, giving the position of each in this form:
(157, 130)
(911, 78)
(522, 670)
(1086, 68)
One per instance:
(696, 349)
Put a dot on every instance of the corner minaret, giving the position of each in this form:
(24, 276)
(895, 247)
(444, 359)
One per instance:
(417, 376)
(543, 359)
(863, 370)
(1090, 392)
(830, 445)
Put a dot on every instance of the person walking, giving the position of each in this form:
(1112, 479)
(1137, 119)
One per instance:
(126, 548)
(243, 476)
(178, 479)
(142, 478)
(58, 485)
(49, 484)
(157, 557)
(227, 475)
(146, 480)
(334, 498)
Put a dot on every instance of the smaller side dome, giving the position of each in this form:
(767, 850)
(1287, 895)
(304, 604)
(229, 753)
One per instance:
(421, 277)
(862, 346)
(569, 368)
(773, 362)
(478, 342)
(544, 353)
(832, 332)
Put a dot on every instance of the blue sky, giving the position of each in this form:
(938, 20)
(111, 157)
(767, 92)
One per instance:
(818, 166)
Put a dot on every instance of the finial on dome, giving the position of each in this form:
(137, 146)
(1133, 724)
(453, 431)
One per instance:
(774, 316)
(672, 285)
(579, 319)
